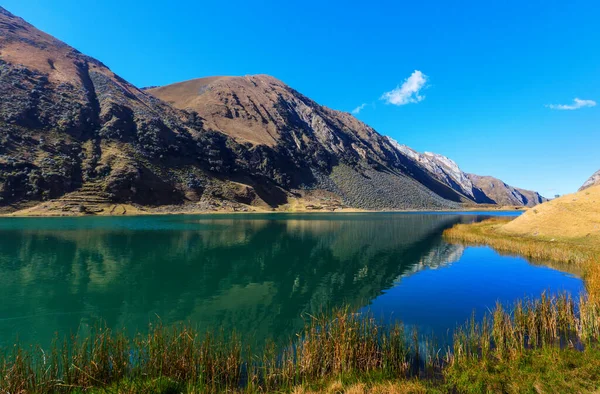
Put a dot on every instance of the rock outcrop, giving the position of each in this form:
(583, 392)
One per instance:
(592, 181)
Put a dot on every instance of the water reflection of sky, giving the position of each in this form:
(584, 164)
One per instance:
(438, 299)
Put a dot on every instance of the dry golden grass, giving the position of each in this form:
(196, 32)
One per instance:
(491, 232)
(574, 218)
(55, 208)
(184, 94)
(390, 387)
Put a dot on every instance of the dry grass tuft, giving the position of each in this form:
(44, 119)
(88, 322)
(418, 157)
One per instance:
(387, 387)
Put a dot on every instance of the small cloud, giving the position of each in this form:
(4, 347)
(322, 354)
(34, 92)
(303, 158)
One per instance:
(408, 92)
(357, 110)
(577, 103)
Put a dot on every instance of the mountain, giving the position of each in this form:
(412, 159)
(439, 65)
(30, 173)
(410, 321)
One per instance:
(444, 169)
(258, 110)
(479, 189)
(67, 121)
(593, 181)
(345, 156)
(77, 138)
(502, 194)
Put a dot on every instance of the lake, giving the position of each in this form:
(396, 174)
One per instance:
(258, 274)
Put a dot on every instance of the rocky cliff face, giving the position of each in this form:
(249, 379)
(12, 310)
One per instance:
(593, 181)
(73, 132)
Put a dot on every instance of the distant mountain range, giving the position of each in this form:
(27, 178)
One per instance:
(479, 189)
(77, 138)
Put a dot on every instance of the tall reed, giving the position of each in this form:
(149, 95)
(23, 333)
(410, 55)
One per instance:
(327, 347)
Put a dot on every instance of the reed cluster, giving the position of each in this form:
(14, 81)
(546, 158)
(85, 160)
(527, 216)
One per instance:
(548, 322)
(545, 345)
(180, 359)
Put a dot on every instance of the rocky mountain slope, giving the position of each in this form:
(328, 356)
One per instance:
(479, 189)
(77, 138)
(349, 158)
(502, 194)
(249, 109)
(593, 181)
(67, 121)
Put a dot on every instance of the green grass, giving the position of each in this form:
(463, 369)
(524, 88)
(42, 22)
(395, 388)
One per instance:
(544, 370)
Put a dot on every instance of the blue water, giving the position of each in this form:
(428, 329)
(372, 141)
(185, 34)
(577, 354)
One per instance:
(437, 300)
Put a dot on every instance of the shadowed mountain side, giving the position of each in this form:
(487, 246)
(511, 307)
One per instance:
(217, 272)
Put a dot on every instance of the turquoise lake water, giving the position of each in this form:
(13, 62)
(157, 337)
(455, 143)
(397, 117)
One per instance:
(256, 274)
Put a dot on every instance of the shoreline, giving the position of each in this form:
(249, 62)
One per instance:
(130, 210)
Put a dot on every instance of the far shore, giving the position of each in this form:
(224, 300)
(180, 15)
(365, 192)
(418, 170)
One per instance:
(119, 210)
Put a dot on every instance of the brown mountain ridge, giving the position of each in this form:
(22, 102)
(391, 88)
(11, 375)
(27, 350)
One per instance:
(76, 138)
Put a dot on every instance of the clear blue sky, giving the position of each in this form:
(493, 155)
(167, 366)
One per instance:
(490, 68)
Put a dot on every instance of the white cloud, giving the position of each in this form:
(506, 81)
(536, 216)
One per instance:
(577, 103)
(408, 92)
(357, 110)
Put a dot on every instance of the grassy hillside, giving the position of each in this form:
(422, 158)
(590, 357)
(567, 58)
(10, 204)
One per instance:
(574, 217)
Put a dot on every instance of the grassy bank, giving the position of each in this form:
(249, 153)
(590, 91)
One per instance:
(341, 353)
